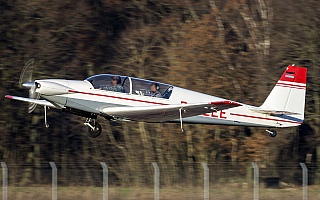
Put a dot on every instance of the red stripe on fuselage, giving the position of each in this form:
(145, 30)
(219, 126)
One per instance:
(116, 97)
(256, 117)
(143, 101)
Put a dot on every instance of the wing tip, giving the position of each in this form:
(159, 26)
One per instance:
(8, 97)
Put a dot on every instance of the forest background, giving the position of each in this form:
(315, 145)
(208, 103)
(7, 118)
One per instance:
(235, 49)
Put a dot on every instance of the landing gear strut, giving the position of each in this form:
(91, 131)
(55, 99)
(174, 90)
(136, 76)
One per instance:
(94, 128)
(272, 133)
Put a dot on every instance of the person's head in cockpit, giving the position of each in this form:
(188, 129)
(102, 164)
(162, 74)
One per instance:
(115, 84)
(155, 90)
(115, 80)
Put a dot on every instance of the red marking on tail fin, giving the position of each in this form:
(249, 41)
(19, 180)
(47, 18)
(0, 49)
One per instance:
(295, 74)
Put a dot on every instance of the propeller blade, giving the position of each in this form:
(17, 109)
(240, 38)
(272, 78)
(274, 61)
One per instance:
(26, 82)
(33, 95)
(26, 73)
(32, 107)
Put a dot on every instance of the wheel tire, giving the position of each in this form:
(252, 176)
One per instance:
(93, 134)
(273, 134)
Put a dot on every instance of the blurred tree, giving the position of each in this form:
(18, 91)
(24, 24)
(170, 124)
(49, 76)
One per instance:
(235, 49)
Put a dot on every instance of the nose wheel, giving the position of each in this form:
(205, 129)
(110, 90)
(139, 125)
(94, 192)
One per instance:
(272, 133)
(93, 128)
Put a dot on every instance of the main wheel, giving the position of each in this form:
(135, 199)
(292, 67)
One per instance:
(96, 132)
(273, 133)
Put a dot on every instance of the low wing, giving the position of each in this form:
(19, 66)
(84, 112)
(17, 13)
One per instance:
(36, 101)
(273, 112)
(160, 113)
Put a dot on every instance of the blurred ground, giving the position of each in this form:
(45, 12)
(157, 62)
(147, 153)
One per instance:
(167, 193)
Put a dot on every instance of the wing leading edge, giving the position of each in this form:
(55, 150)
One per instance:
(161, 113)
(29, 100)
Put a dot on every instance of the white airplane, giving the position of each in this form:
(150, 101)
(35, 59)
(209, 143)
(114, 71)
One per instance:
(124, 98)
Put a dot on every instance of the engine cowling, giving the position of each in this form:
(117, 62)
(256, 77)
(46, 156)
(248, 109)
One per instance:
(50, 88)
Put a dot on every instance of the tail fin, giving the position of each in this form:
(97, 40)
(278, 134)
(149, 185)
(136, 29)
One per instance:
(288, 96)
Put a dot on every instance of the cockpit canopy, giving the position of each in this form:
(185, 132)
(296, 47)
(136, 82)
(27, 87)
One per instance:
(129, 85)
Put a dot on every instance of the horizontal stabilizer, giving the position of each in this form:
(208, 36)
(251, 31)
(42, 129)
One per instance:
(274, 112)
(160, 113)
(29, 100)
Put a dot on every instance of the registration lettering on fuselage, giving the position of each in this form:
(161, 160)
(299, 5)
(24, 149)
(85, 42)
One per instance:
(219, 114)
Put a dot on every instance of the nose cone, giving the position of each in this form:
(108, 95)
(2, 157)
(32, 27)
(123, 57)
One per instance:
(28, 85)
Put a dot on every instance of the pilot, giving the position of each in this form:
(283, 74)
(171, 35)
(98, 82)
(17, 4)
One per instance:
(116, 84)
(155, 90)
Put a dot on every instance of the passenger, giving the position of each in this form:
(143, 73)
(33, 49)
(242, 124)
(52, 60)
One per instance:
(155, 90)
(116, 84)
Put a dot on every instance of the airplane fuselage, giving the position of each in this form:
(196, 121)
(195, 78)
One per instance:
(81, 95)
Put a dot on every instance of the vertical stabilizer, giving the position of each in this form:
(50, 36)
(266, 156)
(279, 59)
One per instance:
(289, 93)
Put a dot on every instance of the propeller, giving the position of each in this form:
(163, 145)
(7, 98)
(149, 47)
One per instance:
(27, 82)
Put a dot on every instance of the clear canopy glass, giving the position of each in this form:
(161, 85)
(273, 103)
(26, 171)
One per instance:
(130, 85)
